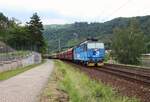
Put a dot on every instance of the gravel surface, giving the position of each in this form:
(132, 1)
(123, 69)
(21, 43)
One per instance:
(26, 87)
(122, 86)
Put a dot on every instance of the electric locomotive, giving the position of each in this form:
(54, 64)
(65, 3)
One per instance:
(90, 53)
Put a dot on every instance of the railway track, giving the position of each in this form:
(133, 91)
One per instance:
(134, 84)
(135, 75)
(133, 68)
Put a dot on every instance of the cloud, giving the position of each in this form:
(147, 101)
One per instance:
(73, 10)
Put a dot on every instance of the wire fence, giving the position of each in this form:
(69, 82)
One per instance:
(11, 58)
(11, 54)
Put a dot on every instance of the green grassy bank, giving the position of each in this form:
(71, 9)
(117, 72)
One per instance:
(7, 74)
(79, 87)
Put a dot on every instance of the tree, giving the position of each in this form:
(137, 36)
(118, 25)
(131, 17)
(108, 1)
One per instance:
(19, 38)
(4, 23)
(35, 29)
(128, 43)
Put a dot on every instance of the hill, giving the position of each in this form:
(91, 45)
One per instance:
(72, 34)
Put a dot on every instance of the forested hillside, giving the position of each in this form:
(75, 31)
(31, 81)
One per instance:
(71, 34)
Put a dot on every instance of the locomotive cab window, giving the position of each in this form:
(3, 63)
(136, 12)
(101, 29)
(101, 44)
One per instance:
(95, 45)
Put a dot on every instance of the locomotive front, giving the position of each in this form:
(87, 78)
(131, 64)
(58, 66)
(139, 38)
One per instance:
(90, 53)
(95, 53)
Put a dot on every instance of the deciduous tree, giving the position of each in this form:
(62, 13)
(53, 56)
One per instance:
(128, 43)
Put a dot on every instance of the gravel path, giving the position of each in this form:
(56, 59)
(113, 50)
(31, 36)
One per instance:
(26, 87)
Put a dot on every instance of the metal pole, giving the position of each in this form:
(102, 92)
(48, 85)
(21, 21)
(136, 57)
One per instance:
(59, 45)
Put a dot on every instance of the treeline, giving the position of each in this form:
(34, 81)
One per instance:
(72, 34)
(22, 37)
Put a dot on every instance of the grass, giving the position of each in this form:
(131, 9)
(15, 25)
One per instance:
(80, 88)
(11, 73)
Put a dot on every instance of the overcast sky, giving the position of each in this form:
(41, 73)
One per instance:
(69, 11)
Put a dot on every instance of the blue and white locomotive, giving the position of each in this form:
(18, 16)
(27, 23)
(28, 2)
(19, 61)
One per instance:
(90, 53)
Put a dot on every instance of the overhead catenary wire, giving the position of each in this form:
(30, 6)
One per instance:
(116, 10)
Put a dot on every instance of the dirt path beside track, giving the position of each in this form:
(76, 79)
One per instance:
(26, 87)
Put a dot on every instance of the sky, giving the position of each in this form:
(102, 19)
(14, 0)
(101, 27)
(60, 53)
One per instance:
(69, 11)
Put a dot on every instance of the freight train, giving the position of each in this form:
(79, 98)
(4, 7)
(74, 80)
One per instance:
(89, 53)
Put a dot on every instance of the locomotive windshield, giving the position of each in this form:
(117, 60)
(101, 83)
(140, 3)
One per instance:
(95, 45)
